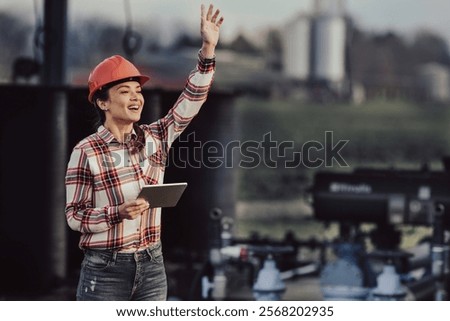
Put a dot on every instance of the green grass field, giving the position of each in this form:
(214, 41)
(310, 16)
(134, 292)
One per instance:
(380, 134)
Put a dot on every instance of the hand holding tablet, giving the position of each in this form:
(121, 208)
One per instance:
(162, 195)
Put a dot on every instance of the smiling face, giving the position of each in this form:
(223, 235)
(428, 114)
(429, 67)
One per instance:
(124, 104)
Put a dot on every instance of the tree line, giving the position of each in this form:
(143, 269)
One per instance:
(387, 58)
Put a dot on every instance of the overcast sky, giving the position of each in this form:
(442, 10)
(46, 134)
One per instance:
(405, 16)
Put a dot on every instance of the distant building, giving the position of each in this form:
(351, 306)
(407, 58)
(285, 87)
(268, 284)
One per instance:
(434, 80)
(328, 49)
(315, 49)
(297, 48)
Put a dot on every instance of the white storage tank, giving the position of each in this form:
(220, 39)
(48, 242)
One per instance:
(296, 48)
(434, 80)
(329, 48)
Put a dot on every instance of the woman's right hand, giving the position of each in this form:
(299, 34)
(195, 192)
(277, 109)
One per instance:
(132, 209)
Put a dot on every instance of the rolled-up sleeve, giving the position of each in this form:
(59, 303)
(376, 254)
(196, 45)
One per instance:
(188, 104)
(81, 215)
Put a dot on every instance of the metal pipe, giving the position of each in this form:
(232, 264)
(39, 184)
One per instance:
(54, 74)
(55, 26)
(439, 254)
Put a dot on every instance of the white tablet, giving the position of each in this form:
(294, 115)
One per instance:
(162, 195)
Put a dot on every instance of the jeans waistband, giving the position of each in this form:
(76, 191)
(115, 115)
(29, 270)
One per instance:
(151, 251)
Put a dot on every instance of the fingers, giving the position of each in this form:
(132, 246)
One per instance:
(208, 16)
(210, 10)
(219, 23)
(132, 209)
(140, 201)
(216, 14)
(203, 17)
(141, 205)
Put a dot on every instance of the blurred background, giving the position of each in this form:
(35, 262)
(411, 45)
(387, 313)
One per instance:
(373, 73)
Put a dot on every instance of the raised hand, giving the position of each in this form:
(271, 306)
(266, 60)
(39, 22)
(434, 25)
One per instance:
(209, 29)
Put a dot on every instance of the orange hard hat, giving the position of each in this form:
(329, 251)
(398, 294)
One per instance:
(110, 70)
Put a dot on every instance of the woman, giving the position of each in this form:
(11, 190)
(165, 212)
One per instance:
(120, 235)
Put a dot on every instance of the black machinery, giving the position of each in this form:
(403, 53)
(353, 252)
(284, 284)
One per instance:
(382, 196)
(389, 199)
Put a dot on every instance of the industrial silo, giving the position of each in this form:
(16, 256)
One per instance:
(296, 48)
(434, 81)
(328, 49)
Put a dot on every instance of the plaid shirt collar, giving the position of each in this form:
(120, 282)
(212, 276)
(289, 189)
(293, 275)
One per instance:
(105, 135)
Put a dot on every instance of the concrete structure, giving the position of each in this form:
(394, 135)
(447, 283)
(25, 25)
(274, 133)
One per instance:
(297, 48)
(329, 48)
(315, 49)
(434, 80)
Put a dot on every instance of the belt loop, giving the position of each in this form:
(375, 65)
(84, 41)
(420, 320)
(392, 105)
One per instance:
(149, 252)
(114, 256)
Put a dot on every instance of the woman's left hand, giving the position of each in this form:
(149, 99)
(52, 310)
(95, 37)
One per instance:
(209, 29)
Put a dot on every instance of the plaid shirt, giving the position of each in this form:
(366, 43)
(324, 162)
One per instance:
(102, 173)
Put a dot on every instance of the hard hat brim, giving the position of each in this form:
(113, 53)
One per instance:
(142, 79)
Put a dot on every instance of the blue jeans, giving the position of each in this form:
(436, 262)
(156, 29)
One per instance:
(112, 276)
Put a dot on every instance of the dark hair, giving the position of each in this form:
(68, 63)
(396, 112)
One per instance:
(103, 95)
